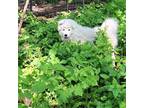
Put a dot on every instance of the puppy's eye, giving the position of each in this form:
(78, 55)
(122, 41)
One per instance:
(63, 29)
(68, 29)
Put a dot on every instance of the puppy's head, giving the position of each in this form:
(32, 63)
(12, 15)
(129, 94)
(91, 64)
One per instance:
(65, 29)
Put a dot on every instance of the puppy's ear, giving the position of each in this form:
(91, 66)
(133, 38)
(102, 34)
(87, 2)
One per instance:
(59, 28)
(72, 27)
(61, 22)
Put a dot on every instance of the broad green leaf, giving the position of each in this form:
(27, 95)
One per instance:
(39, 86)
(123, 104)
(20, 105)
(115, 88)
(84, 85)
(78, 90)
(92, 80)
(59, 67)
(105, 76)
(52, 83)
(63, 95)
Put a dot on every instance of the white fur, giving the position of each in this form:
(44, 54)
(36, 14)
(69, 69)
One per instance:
(76, 32)
(111, 26)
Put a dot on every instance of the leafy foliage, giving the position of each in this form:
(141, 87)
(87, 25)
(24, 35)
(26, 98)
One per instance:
(60, 74)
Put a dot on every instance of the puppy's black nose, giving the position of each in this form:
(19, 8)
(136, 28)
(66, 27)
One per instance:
(65, 35)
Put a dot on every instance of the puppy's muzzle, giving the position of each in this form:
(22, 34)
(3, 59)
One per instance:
(65, 36)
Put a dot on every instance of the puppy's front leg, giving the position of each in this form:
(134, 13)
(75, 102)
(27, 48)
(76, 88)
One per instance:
(113, 58)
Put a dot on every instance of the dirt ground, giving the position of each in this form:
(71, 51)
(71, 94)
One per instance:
(49, 10)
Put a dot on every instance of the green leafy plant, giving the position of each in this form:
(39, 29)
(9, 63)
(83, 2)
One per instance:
(56, 74)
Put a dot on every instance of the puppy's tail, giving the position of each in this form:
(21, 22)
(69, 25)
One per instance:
(110, 26)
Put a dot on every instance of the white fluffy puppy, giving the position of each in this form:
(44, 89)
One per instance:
(71, 30)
